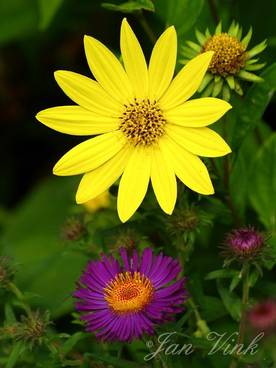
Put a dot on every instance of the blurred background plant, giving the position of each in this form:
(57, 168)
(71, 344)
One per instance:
(46, 239)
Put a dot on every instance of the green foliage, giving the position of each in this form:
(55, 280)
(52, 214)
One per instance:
(18, 18)
(251, 109)
(47, 10)
(230, 300)
(262, 185)
(130, 6)
(17, 350)
(33, 238)
(180, 13)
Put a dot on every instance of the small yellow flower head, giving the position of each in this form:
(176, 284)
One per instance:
(229, 56)
(231, 60)
(147, 128)
(97, 203)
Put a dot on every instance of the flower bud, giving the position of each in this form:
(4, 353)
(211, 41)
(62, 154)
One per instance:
(262, 317)
(244, 243)
(32, 329)
(6, 272)
(73, 229)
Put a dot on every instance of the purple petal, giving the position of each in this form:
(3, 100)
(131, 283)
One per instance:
(124, 257)
(146, 261)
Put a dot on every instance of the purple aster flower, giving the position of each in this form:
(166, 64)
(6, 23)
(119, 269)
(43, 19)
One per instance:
(244, 243)
(123, 301)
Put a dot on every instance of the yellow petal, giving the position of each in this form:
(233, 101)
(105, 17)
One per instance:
(187, 81)
(134, 182)
(163, 181)
(76, 120)
(188, 167)
(107, 69)
(90, 154)
(99, 180)
(87, 93)
(134, 61)
(198, 112)
(162, 63)
(200, 141)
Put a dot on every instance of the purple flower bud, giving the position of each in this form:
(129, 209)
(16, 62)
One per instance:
(245, 242)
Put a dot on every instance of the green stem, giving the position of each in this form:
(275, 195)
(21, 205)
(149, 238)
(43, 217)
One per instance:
(202, 326)
(226, 179)
(142, 20)
(274, 358)
(191, 302)
(245, 300)
(20, 296)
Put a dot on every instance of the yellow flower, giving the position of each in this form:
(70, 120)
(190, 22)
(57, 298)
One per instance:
(147, 130)
(96, 203)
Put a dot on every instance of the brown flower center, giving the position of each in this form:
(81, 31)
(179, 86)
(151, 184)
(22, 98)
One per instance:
(142, 122)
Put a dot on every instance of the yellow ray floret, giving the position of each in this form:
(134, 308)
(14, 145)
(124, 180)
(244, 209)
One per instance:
(147, 130)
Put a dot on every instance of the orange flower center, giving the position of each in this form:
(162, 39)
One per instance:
(129, 293)
(229, 56)
(142, 122)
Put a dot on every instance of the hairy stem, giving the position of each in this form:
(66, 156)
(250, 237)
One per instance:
(245, 299)
(20, 296)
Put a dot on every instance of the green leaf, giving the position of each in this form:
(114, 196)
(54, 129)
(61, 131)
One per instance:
(18, 19)
(235, 281)
(253, 277)
(17, 350)
(236, 180)
(180, 13)
(9, 314)
(221, 274)
(242, 163)
(250, 110)
(72, 341)
(231, 302)
(212, 308)
(32, 239)
(130, 6)
(262, 184)
(47, 10)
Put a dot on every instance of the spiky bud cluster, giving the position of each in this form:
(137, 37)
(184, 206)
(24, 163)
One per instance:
(32, 329)
(73, 229)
